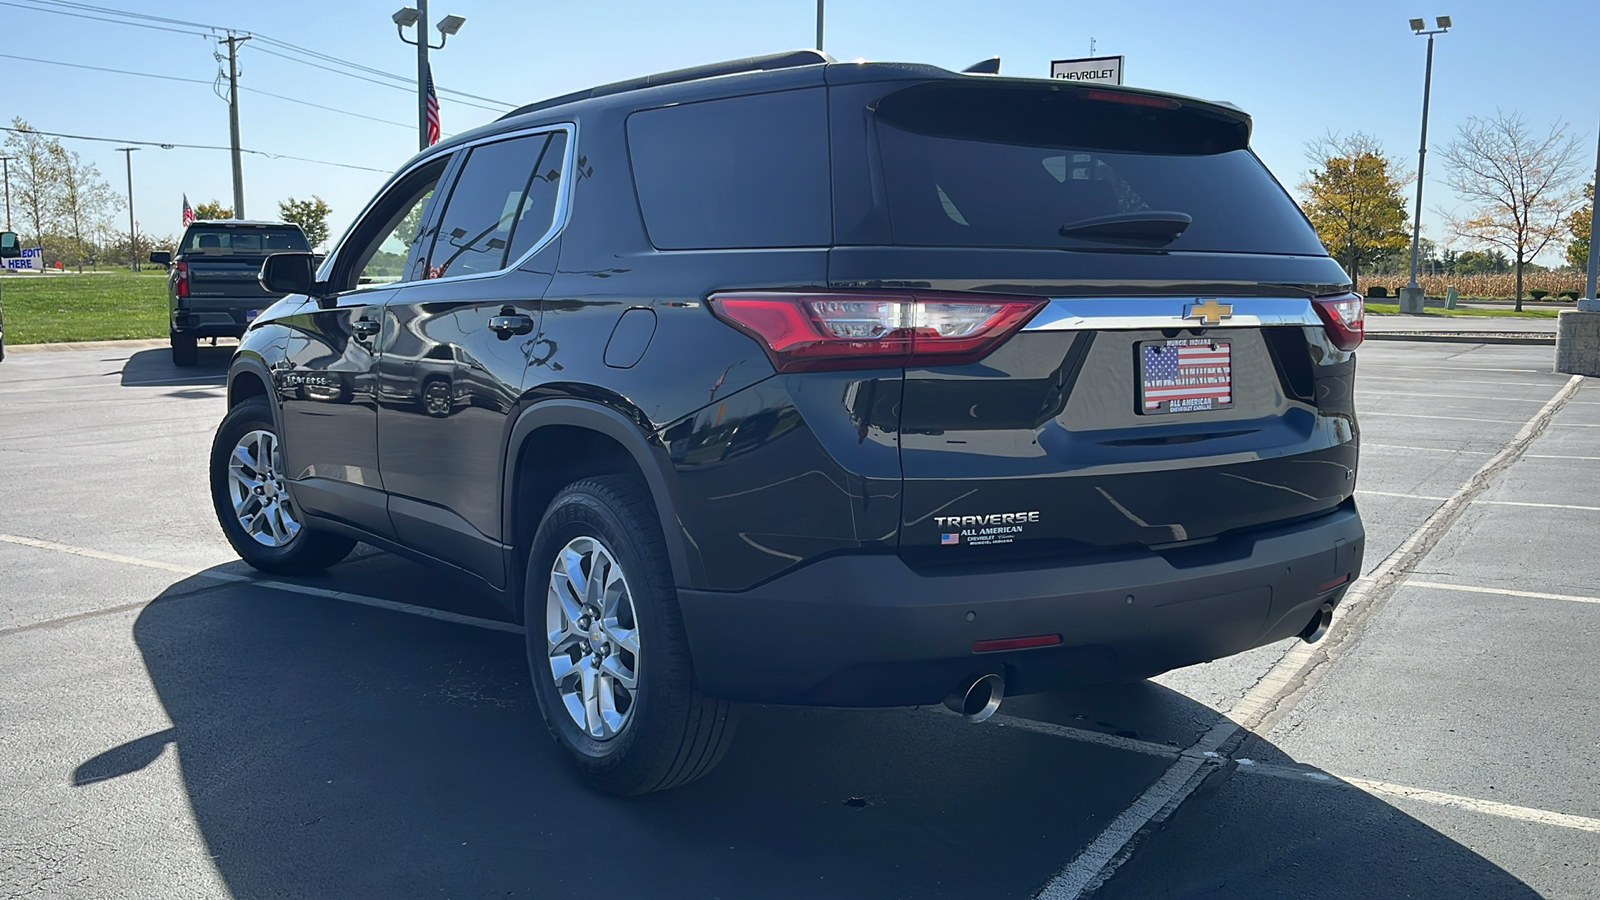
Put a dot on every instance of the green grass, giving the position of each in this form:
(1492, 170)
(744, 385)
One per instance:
(1390, 309)
(46, 309)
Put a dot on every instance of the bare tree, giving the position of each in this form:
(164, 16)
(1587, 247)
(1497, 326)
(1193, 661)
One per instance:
(83, 201)
(1518, 186)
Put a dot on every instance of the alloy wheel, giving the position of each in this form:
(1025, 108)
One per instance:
(261, 502)
(593, 638)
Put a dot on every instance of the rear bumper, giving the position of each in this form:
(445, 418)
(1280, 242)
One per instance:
(229, 321)
(870, 631)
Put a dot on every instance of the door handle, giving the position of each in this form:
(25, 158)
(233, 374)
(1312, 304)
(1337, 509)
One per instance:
(506, 326)
(365, 328)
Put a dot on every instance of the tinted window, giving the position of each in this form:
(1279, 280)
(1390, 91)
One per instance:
(544, 188)
(225, 240)
(379, 244)
(1007, 168)
(741, 172)
(485, 206)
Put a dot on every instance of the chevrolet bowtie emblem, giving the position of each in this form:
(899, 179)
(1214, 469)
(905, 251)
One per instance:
(1209, 313)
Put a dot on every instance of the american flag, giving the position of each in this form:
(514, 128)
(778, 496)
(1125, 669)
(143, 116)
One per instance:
(188, 211)
(950, 538)
(433, 111)
(1189, 374)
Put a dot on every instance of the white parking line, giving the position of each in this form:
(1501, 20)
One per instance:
(1559, 456)
(1289, 679)
(1365, 413)
(1366, 445)
(1409, 394)
(1405, 496)
(1383, 365)
(1438, 798)
(1485, 502)
(342, 596)
(1504, 592)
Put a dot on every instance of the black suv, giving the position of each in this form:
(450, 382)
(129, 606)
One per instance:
(790, 381)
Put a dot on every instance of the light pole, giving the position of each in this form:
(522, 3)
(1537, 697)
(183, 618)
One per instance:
(133, 241)
(6, 161)
(819, 25)
(1411, 296)
(405, 18)
(1589, 303)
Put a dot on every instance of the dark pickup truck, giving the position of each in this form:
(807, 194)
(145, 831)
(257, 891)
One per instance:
(212, 289)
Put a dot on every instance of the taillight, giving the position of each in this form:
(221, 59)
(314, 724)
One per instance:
(810, 331)
(180, 281)
(1344, 318)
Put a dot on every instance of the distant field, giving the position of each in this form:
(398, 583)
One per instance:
(44, 309)
(1381, 308)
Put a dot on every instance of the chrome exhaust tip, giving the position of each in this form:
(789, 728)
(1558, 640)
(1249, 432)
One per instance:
(980, 699)
(1318, 626)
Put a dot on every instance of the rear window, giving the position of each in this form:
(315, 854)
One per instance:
(224, 241)
(1007, 167)
(741, 172)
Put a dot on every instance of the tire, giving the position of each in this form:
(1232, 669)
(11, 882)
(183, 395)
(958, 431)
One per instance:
(185, 352)
(436, 397)
(669, 734)
(277, 542)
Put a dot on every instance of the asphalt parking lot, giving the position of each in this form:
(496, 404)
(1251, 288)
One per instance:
(173, 725)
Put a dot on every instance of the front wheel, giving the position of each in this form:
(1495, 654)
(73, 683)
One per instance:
(606, 645)
(252, 501)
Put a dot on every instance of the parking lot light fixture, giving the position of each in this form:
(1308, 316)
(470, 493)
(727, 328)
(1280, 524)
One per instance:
(450, 25)
(417, 16)
(1411, 296)
(405, 18)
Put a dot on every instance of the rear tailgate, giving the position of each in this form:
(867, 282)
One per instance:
(232, 277)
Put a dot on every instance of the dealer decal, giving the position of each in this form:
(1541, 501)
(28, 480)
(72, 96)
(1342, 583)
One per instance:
(994, 528)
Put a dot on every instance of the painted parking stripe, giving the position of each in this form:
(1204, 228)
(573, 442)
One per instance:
(1295, 672)
(342, 596)
(1485, 502)
(1392, 415)
(1404, 496)
(1559, 456)
(1502, 592)
(1476, 399)
(1438, 798)
(1369, 445)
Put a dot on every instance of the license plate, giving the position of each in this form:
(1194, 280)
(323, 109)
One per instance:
(1185, 375)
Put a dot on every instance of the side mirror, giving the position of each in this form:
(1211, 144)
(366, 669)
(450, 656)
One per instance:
(161, 257)
(8, 245)
(289, 273)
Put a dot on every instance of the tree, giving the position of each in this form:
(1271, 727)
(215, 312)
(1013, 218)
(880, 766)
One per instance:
(212, 209)
(311, 215)
(1354, 200)
(118, 249)
(1481, 262)
(1578, 225)
(1517, 185)
(35, 181)
(83, 201)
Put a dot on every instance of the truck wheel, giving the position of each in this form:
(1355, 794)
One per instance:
(606, 644)
(252, 502)
(184, 351)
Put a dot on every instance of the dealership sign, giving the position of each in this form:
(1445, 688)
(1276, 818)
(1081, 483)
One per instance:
(32, 259)
(1096, 69)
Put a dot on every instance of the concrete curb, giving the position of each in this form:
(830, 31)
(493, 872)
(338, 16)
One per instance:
(62, 346)
(1463, 337)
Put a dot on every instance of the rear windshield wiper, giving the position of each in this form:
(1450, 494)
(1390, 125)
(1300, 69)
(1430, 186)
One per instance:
(1158, 225)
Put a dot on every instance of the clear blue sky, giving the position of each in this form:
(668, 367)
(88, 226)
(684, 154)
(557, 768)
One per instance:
(1301, 69)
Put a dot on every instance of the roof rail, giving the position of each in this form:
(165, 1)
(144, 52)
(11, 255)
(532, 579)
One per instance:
(786, 60)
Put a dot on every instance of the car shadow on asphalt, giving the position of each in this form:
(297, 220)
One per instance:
(334, 749)
(154, 367)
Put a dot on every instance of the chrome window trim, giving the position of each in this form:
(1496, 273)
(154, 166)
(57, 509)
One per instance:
(557, 223)
(1129, 313)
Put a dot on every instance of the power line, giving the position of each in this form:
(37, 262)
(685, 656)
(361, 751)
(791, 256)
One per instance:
(81, 10)
(56, 62)
(409, 87)
(165, 145)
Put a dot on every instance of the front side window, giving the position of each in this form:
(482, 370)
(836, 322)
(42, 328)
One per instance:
(375, 252)
(501, 205)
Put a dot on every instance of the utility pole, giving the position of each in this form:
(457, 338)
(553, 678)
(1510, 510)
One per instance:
(233, 41)
(133, 241)
(819, 25)
(6, 161)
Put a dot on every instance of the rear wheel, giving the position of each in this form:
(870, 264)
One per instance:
(185, 352)
(606, 645)
(252, 501)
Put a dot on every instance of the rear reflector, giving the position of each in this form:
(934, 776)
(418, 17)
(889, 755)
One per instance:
(1021, 643)
(1330, 585)
(1344, 317)
(809, 331)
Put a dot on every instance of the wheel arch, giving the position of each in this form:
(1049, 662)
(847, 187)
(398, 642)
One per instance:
(557, 442)
(248, 377)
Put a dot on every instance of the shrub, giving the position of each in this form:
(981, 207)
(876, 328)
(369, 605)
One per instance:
(1377, 291)
(1569, 295)
(1537, 294)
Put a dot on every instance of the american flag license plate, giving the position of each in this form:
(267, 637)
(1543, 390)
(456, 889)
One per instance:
(1185, 375)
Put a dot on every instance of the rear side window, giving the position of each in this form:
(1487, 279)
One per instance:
(224, 241)
(1002, 167)
(502, 203)
(741, 172)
